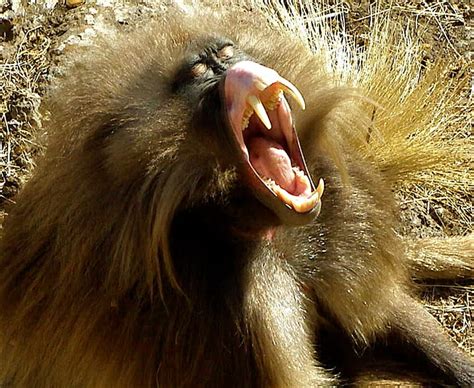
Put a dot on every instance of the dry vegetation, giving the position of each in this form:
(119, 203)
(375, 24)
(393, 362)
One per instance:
(425, 45)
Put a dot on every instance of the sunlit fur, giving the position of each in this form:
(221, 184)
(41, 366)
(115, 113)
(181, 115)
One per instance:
(112, 276)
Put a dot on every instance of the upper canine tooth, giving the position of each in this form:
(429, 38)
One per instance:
(260, 85)
(288, 87)
(259, 109)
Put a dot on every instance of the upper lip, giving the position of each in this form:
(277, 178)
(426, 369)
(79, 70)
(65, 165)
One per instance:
(256, 107)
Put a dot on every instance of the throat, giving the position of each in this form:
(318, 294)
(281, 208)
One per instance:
(270, 160)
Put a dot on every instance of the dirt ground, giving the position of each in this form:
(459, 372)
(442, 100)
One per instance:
(38, 38)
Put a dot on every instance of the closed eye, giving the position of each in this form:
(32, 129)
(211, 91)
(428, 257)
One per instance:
(199, 69)
(226, 52)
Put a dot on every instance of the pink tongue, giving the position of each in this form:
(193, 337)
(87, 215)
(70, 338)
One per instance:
(271, 160)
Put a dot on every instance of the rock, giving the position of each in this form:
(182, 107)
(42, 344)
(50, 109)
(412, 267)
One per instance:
(89, 19)
(50, 4)
(121, 16)
(74, 3)
(6, 29)
(104, 3)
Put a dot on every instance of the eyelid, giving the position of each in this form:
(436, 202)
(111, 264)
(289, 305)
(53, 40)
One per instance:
(199, 69)
(226, 52)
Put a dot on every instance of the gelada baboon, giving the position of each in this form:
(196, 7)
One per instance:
(176, 233)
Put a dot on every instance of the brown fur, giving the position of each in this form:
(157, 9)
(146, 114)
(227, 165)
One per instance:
(120, 265)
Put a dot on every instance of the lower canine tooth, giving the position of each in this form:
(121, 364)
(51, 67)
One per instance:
(320, 188)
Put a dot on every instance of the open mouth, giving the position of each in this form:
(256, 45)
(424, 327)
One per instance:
(262, 125)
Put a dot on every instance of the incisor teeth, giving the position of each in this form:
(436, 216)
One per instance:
(259, 109)
(320, 188)
(296, 169)
(288, 87)
(307, 205)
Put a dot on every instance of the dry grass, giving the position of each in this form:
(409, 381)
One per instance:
(451, 304)
(23, 77)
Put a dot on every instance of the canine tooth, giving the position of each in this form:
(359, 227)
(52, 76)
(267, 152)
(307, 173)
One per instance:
(320, 188)
(291, 89)
(260, 85)
(260, 111)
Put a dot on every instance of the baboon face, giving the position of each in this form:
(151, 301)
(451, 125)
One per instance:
(243, 118)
